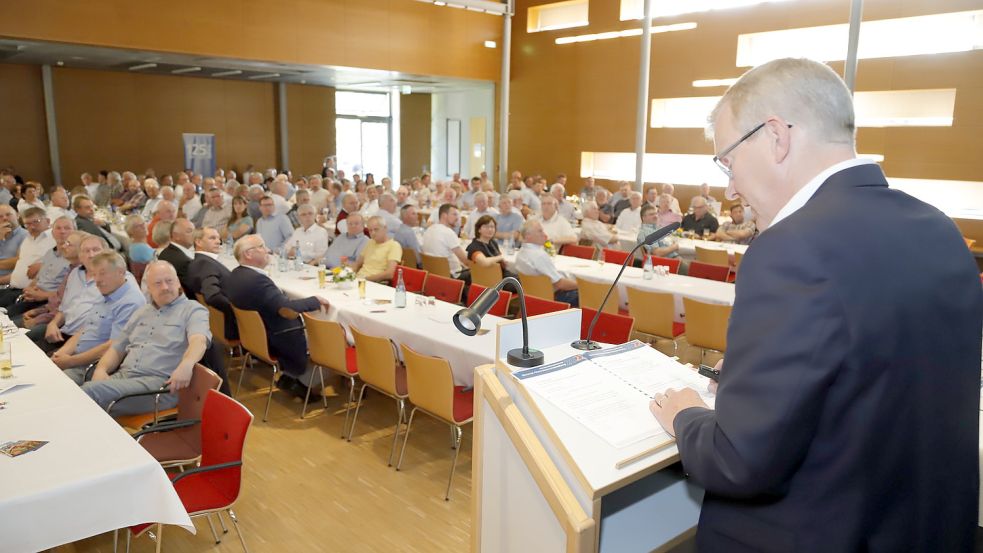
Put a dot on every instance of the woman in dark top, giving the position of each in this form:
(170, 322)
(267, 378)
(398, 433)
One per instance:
(484, 250)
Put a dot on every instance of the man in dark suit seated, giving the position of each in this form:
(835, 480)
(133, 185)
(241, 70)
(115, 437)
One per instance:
(85, 220)
(249, 288)
(180, 251)
(207, 276)
(847, 413)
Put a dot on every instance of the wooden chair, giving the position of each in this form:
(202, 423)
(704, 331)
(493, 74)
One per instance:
(613, 256)
(413, 279)
(252, 336)
(158, 416)
(671, 262)
(444, 289)
(409, 258)
(574, 250)
(712, 256)
(611, 328)
(328, 349)
(710, 272)
(486, 276)
(216, 323)
(380, 370)
(592, 293)
(432, 391)
(738, 257)
(537, 285)
(655, 314)
(538, 306)
(439, 266)
(706, 325)
(501, 306)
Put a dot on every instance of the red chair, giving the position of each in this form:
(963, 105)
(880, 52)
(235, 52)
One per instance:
(613, 256)
(611, 328)
(443, 288)
(671, 262)
(500, 308)
(137, 270)
(573, 250)
(413, 279)
(709, 271)
(538, 306)
(214, 486)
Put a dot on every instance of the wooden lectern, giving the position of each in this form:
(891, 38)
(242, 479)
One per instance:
(543, 482)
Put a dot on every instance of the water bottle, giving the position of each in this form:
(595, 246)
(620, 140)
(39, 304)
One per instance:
(281, 261)
(647, 270)
(228, 246)
(400, 299)
(298, 259)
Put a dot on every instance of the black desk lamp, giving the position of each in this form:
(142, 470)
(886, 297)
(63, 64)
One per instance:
(468, 321)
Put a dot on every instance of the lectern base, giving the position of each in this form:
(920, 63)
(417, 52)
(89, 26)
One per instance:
(518, 358)
(585, 345)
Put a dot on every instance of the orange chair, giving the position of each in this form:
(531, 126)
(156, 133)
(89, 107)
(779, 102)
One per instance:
(537, 285)
(432, 391)
(443, 288)
(328, 349)
(706, 325)
(487, 276)
(214, 486)
(252, 336)
(708, 271)
(413, 279)
(409, 258)
(538, 306)
(671, 262)
(654, 313)
(613, 256)
(574, 250)
(592, 294)
(380, 370)
(500, 308)
(436, 265)
(712, 256)
(611, 328)
(216, 323)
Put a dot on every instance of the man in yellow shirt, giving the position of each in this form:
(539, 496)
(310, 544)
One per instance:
(379, 257)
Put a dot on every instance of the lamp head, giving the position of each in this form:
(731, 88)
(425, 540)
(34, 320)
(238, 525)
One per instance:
(468, 320)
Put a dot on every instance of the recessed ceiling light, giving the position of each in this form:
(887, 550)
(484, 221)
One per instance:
(143, 66)
(227, 73)
(264, 76)
(186, 70)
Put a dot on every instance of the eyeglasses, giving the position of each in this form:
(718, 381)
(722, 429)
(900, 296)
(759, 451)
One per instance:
(719, 158)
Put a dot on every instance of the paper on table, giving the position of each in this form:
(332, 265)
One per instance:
(651, 372)
(7, 385)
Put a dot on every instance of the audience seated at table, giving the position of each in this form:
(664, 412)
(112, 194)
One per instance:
(630, 218)
(605, 207)
(273, 226)
(136, 229)
(207, 276)
(481, 208)
(668, 190)
(440, 240)
(158, 347)
(593, 230)
(166, 212)
(737, 230)
(300, 198)
(349, 244)
(532, 259)
(11, 236)
(566, 209)
(240, 222)
(484, 250)
(667, 246)
(85, 219)
(309, 237)
(409, 232)
(508, 221)
(215, 213)
(588, 190)
(60, 204)
(701, 221)
(250, 288)
(664, 213)
(30, 193)
(119, 297)
(378, 259)
(151, 188)
(557, 228)
(712, 203)
(54, 267)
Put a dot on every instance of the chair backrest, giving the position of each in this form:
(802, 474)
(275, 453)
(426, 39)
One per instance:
(443, 288)
(191, 400)
(326, 343)
(611, 328)
(613, 256)
(224, 425)
(738, 257)
(708, 271)
(706, 324)
(486, 276)
(436, 265)
(576, 250)
(538, 306)
(671, 262)
(712, 256)
(216, 321)
(413, 279)
(252, 334)
(409, 258)
(592, 293)
(376, 361)
(137, 269)
(430, 383)
(537, 285)
(653, 311)
(501, 307)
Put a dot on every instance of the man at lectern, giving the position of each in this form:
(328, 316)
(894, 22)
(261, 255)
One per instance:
(847, 410)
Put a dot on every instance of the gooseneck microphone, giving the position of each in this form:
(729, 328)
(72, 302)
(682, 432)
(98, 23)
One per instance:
(588, 344)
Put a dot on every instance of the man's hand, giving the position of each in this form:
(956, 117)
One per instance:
(712, 386)
(181, 377)
(325, 305)
(63, 360)
(53, 334)
(666, 406)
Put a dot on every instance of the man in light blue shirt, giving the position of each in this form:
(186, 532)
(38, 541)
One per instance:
(508, 222)
(275, 228)
(349, 244)
(408, 232)
(11, 235)
(119, 296)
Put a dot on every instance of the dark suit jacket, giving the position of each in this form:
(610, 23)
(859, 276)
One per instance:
(206, 276)
(250, 290)
(847, 413)
(176, 257)
(89, 226)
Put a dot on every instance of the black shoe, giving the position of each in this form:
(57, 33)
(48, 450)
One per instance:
(286, 383)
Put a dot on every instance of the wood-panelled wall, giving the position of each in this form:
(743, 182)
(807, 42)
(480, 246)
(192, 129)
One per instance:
(582, 97)
(310, 127)
(414, 134)
(393, 35)
(23, 135)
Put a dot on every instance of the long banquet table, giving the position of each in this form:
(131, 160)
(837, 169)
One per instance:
(91, 477)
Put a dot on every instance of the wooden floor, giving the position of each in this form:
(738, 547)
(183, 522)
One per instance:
(306, 489)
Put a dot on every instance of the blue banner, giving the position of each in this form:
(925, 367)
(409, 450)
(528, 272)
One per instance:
(199, 153)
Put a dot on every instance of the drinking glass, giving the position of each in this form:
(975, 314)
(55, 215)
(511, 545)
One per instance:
(361, 288)
(6, 363)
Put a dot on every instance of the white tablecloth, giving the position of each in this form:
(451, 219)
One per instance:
(687, 247)
(91, 477)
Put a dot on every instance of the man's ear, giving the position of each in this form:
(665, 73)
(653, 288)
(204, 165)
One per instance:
(779, 135)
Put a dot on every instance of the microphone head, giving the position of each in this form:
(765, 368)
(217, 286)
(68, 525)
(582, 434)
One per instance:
(657, 235)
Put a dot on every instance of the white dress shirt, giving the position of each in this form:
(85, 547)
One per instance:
(31, 250)
(281, 204)
(558, 229)
(313, 241)
(439, 240)
(55, 212)
(473, 217)
(630, 220)
(532, 259)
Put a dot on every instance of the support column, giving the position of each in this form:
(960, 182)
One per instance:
(641, 116)
(850, 66)
(503, 101)
(49, 116)
(281, 89)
